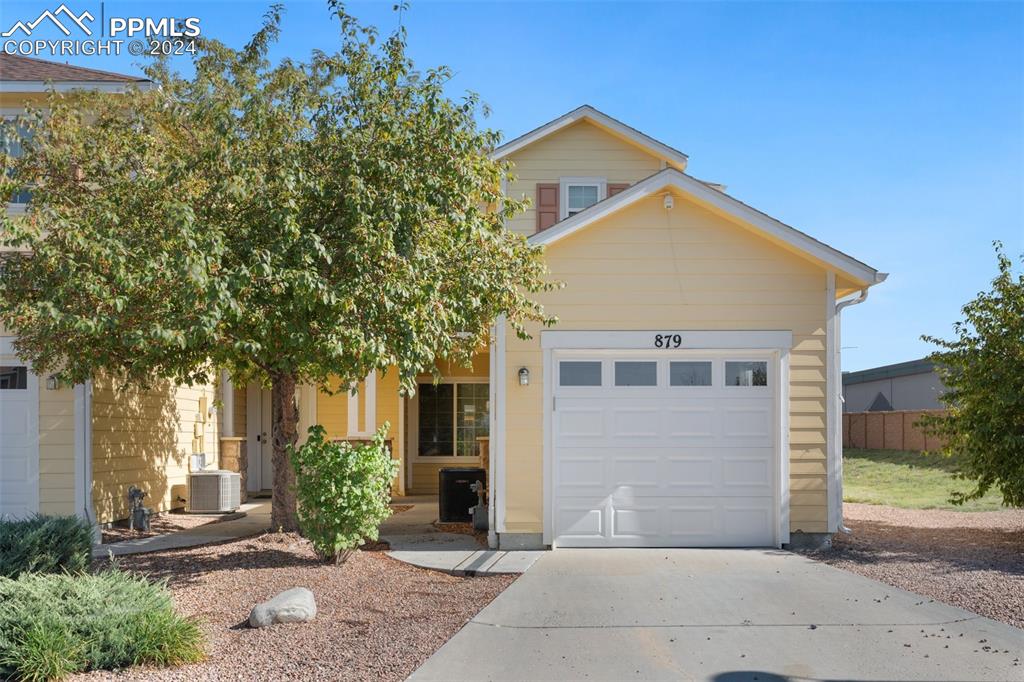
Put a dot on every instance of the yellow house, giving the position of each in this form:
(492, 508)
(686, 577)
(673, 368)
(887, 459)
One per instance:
(688, 396)
(76, 450)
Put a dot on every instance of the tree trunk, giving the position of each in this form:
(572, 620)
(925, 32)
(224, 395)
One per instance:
(284, 419)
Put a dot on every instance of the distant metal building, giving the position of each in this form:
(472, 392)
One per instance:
(910, 385)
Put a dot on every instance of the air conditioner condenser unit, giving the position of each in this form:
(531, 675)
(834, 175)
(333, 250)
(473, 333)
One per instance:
(214, 491)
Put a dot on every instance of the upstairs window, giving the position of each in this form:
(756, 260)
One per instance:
(579, 194)
(11, 136)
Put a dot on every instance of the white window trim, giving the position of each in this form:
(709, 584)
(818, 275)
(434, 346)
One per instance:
(414, 424)
(563, 191)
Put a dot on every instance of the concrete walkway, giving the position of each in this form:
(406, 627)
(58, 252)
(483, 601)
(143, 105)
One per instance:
(719, 615)
(415, 540)
(256, 520)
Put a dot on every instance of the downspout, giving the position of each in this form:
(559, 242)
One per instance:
(838, 378)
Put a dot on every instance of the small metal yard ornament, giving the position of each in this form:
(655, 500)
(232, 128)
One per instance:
(479, 511)
(139, 515)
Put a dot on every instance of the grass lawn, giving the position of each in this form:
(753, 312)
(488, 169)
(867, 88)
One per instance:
(906, 479)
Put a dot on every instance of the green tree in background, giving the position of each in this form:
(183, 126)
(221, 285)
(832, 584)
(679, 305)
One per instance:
(293, 223)
(983, 371)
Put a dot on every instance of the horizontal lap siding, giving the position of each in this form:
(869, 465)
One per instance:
(688, 268)
(240, 415)
(145, 438)
(332, 412)
(56, 450)
(582, 149)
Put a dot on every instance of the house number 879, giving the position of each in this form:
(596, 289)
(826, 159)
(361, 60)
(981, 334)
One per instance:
(668, 340)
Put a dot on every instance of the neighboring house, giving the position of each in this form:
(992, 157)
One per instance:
(688, 396)
(75, 450)
(910, 385)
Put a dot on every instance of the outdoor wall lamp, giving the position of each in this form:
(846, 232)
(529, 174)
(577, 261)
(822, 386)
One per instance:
(524, 376)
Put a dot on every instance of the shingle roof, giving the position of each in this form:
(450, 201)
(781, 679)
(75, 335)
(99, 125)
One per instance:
(18, 68)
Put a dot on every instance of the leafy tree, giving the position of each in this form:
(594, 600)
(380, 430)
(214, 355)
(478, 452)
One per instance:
(293, 223)
(983, 370)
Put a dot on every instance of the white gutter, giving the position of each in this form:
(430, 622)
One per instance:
(837, 378)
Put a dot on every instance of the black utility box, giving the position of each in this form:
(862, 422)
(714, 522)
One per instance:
(454, 496)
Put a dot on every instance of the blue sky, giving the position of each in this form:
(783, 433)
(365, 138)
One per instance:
(892, 131)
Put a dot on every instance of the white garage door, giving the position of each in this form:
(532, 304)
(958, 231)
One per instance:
(19, 436)
(664, 451)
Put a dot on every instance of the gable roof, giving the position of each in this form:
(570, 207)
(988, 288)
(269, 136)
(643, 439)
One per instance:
(673, 157)
(27, 74)
(671, 178)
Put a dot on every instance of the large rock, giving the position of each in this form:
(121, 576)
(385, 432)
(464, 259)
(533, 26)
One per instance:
(296, 605)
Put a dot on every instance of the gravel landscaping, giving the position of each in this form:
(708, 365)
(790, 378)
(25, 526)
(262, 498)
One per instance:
(974, 560)
(377, 619)
(161, 524)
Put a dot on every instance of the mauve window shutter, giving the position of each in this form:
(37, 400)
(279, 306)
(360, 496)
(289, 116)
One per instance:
(615, 188)
(547, 205)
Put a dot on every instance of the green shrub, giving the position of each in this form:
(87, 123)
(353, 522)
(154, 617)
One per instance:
(342, 490)
(44, 544)
(52, 625)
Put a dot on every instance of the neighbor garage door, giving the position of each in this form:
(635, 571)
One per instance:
(19, 435)
(663, 451)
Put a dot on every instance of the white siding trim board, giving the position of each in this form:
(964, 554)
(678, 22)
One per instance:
(496, 475)
(834, 453)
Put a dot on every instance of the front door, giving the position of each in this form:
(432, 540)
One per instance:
(260, 446)
(266, 443)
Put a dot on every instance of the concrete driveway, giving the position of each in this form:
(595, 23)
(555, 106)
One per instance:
(718, 615)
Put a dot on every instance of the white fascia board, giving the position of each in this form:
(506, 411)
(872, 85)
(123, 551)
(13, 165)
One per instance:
(602, 120)
(671, 178)
(67, 86)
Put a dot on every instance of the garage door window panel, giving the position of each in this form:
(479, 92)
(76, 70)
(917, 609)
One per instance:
(13, 378)
(746, 373)
(636, 373)
(579, 373)
(690, 373)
